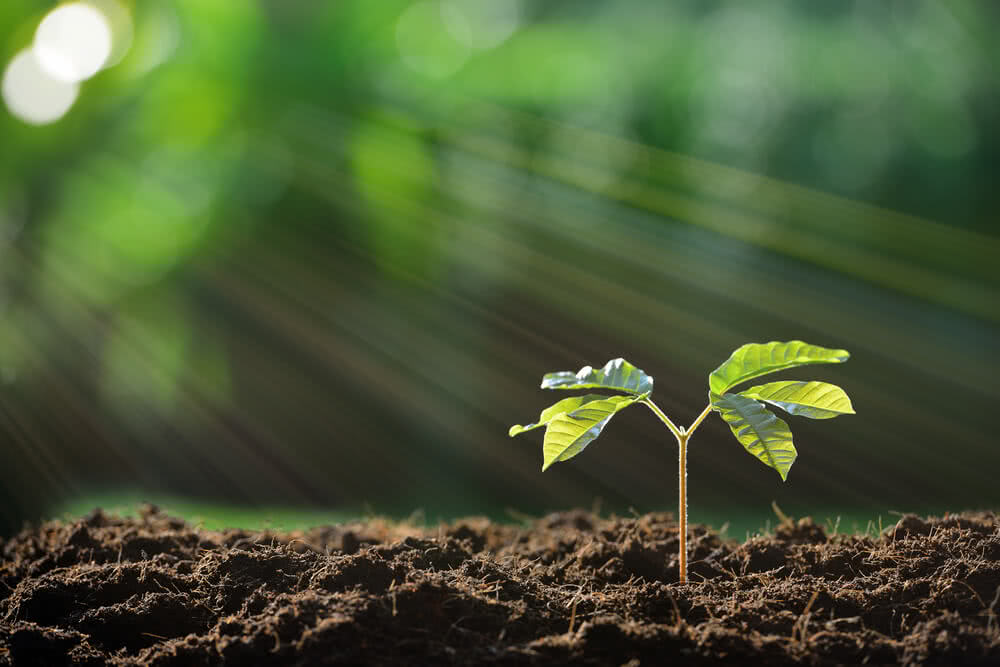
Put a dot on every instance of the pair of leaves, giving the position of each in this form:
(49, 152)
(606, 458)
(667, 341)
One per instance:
(573, 423)
(761, 433)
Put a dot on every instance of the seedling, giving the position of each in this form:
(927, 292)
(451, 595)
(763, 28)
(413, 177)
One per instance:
(573, 423)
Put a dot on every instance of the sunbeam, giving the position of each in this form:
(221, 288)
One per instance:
(307, 254)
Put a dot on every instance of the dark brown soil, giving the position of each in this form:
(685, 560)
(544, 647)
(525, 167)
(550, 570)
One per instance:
(571, 588)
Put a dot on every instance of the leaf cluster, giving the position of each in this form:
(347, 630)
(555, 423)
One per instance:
(573, 423)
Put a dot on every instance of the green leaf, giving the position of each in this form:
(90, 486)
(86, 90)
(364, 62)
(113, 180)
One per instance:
(816, 400)
(553, 411)
(569, 433)
(756, 359)
(617, 374)
(758, 430)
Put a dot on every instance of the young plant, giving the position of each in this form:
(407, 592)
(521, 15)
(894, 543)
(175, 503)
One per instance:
(573, 423)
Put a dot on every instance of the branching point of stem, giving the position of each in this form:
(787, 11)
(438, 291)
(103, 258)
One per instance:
(699, 420)
(682, 434)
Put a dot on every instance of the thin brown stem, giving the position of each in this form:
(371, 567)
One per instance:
(682, 440)
(682, 509)
(699, 420)
(663, 417)
(682, 436)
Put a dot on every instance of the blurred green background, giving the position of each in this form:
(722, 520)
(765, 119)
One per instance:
(318, 255)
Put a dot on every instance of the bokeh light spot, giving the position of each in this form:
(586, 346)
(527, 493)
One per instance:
(425, 45)
(73, 42)
(481, 24)
(32, 95)
(119, 19)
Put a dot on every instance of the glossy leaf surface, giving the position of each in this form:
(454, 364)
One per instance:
(569, 433)
(756, 359)
(816, 400)
(553, 411)
(617, 374)
(758, 430)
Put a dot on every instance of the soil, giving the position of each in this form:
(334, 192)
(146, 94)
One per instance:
(570, 588)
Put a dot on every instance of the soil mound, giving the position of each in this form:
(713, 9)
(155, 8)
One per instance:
(571, 588)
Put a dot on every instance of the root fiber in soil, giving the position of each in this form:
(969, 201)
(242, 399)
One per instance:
(571, 588)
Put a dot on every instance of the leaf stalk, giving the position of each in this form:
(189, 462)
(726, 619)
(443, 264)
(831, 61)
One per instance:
(663, 417)
(700, 419)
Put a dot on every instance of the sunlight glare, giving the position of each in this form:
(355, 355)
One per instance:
(73, 42)
(32, 95)
(119, 19)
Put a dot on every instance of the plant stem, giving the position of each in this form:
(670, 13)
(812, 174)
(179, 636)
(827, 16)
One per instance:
(682, 508)
(682, 436)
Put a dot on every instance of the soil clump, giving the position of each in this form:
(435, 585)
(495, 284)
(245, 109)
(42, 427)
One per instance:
(570, 588)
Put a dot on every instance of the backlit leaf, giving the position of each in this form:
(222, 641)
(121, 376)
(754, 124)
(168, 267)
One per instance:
(756, 359)
(567, 434)
(553, 411)
(816, 400)
(617, 374)
(758, 430)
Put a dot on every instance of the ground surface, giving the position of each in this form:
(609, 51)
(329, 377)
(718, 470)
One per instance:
(570, 588)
